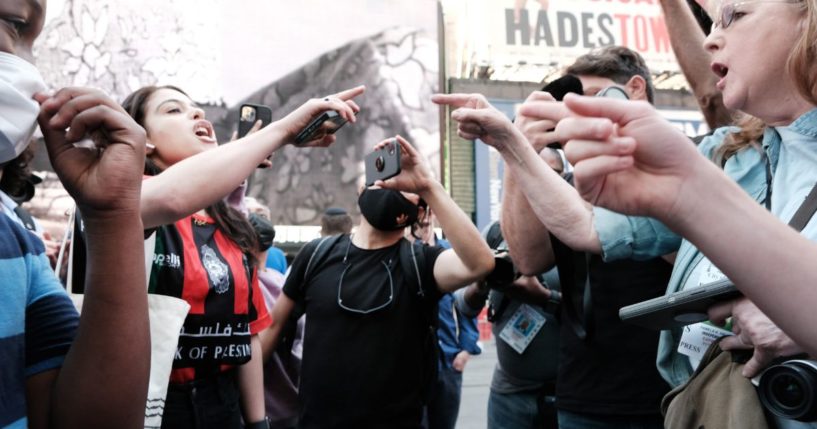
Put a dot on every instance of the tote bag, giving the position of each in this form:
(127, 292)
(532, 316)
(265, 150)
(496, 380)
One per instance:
(166, 315)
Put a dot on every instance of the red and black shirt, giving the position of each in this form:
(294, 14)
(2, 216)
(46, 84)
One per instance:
(193, 260)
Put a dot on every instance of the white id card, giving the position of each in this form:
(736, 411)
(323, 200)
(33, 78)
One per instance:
(697, 338)
(522, 327)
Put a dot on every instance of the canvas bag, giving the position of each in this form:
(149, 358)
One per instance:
(166, 315)
(717, 396)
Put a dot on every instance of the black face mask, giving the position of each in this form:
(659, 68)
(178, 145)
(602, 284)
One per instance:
(264, 230)
(386, 209)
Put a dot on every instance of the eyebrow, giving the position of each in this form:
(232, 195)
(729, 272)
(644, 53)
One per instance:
(174, 100)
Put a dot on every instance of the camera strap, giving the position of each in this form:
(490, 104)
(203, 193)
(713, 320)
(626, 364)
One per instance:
(806, 211)
(574, 276)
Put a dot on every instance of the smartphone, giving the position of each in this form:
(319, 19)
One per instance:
(328, 122)
(249, 113)
(383, 163)
(679, 308)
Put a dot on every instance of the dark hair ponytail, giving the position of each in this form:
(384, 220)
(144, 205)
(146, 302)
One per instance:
(228, 220)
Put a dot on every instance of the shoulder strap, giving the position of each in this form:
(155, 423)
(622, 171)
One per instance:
(412, 261)
(806, 211)
(319, 254)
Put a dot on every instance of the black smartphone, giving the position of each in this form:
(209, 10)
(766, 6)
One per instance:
(328, 122)
(679, 308)
(383, 163)
(249, 113)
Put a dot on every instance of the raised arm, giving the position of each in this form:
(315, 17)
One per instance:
(109, 361)
(189, 185)
(469, 258)
(556, 205)
(641, 165)
(687, 40)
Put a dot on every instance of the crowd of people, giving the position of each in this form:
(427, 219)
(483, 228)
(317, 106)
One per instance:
(373, 328)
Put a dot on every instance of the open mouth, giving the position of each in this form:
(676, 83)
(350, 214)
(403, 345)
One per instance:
(204, 130)
(720, 70)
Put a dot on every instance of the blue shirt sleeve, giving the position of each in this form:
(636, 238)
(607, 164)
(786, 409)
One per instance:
(51, 319)
(469, 334)
(632, 237)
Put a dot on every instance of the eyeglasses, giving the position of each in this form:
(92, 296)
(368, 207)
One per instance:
(370, 304)
(727, 11)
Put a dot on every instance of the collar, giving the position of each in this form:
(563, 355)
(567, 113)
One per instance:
(805, 125)
(8, 204)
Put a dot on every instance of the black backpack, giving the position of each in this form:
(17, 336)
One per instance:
(413, 267)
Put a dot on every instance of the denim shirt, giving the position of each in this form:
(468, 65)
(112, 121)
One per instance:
(640, 238)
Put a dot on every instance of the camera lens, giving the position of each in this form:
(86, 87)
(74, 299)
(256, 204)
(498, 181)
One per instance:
(247, 113)
(379, 163)
(789, 390)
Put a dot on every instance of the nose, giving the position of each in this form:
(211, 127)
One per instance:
(714, 41)
(197, 112)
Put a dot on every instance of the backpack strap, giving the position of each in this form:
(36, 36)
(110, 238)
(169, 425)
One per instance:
(322, 249)
(413, 265)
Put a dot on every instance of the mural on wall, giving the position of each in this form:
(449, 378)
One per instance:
(121, 46)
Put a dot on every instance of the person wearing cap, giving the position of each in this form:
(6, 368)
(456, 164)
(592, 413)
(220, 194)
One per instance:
(335, 220)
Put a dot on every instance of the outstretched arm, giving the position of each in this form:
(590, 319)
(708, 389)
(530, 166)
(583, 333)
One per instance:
(631, 160)
(109, 361)
(555, 203)
(189, 185)
(469, 258)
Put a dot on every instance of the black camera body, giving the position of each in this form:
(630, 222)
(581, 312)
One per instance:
(504, 272)
(789, 390)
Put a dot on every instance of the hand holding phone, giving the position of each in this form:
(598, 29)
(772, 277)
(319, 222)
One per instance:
(383, 163)
(327, 122)
(249, 114)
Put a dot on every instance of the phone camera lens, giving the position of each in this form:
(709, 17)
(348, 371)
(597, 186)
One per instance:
(247, 114)
(379, 163)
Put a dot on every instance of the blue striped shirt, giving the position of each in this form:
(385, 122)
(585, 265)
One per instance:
(38, 321)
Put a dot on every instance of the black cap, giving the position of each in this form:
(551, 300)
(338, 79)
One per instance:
(334, 211)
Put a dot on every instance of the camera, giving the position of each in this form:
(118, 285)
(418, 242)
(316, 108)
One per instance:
(504, 273)
(789, 390)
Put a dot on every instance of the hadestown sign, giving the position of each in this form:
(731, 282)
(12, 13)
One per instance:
(555, 32)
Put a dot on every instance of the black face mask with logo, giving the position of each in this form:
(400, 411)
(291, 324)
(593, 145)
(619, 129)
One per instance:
(387, 209)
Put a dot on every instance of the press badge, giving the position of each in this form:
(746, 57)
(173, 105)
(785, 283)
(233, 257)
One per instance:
(520, 329)
(697, 338)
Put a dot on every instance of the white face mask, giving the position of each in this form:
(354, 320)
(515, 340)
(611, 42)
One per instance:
(19, 80)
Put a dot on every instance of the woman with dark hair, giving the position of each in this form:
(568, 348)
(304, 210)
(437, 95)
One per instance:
(205, 251)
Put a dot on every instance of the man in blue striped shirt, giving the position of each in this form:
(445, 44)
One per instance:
(57, 369)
